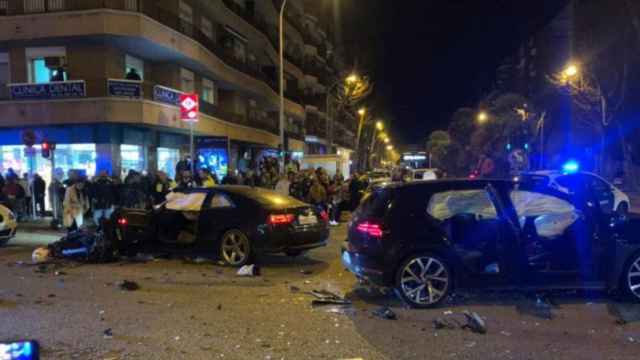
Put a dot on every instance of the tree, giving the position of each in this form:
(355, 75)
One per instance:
(437, 147)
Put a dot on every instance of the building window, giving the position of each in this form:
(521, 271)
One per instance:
(240, 50)
(206, 27)
(46, 64)
(208, 91)
(4, 75)
(55, 5)
(132, 67)
(32, 6)
(167, 160)
(187, 81)
(131, 158)
(131, 5)
(186, 18)
(4, 6)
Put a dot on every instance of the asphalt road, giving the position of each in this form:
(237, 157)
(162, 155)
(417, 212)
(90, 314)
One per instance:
(204, 311)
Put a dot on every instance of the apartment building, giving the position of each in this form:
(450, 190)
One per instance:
(102, 79)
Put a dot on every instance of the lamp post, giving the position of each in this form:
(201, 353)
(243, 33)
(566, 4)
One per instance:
(379, 127)
(282, 122)
(482, 117)
(350, 80)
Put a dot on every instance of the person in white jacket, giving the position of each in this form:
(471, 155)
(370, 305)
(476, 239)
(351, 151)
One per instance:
(283, 185)
(75, 205)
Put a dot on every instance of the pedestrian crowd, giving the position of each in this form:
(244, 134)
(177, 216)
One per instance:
(77, 196)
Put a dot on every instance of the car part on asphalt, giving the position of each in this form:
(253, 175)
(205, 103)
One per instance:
(475, 323)
(324, 297)
(249, 270)
(384, 313)
(126, 285)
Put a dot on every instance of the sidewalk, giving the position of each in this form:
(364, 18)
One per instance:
(36, 232)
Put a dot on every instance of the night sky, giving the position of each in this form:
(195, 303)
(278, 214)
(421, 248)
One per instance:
(430, 57)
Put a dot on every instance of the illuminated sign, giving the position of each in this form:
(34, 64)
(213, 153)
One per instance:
(414, 157)
(124, 88)
(166, 95)
(189, 107)
(48, 91)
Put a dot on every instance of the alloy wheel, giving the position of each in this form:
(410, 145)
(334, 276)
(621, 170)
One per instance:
(633, 278)
(424, 280)
(235, 248)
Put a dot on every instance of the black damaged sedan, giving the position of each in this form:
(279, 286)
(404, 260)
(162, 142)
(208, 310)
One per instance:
(427, 239)
(232, 222)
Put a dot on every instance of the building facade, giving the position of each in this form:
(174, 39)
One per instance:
(102, 79)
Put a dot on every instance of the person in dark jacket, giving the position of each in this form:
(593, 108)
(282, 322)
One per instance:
(102, 195)
(39, 188)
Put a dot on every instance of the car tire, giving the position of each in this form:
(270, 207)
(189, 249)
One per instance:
(426, 274)
(235, 248)
(630, 279)
(4, 242)
(623, 210)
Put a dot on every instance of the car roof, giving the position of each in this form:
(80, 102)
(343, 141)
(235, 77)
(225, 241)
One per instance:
(263, 196)
(453, 182)
(556, 173)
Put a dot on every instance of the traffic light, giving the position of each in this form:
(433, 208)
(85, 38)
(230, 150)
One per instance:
(46, 150)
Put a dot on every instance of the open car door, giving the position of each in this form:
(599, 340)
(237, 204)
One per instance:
(178, 221)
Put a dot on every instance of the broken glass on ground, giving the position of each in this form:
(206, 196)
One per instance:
(325, 297)
(540, 308)
(384, 313)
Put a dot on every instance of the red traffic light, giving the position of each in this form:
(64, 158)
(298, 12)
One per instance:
(46, 146)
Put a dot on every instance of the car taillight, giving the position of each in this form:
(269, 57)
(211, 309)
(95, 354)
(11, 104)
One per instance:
(281, 219)
(370, 228)
(123, 221)
(324, 216)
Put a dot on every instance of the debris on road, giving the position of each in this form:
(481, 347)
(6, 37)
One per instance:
(306, 272)
(475, 323)
(385, 313)
(294, 289)
(541, 308)
(126, 285)
(325, 297)
(249, 270)
(624, 312)
(40, 255)
(107, 334)
(450, 324)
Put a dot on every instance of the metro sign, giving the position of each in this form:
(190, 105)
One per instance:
(189, 107)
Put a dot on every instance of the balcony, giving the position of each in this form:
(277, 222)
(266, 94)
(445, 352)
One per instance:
(315, 126)
(319, 101)
(111, 23)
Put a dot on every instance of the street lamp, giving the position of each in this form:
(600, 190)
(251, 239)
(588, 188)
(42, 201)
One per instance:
(362, 111)
(570, 71)
(380, 125)
(389, 147)
(386, 140)
(352, 78)
(482, 117)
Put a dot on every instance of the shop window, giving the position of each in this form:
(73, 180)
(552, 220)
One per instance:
(186, 18)
(206, 27)
(208, 91)
(187, 81)
(131, 158)
(46, 64)
(133, 68)
(167, 160)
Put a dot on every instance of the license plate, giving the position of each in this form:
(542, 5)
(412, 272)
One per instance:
(307, 220)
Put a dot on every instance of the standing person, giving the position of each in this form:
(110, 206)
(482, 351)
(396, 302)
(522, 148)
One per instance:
(318, 195)
(186, 181)
(333, 200)
(39, 188)
(12, 192)
(354, 190)
(75, 205)
(230, 179)
(206, 180)
(161, 187)
(26, 200)
(56, 197)
(283, 187)
(102, 197)
(486, 166)
(183, 165)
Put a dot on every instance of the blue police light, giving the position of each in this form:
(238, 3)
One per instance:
(571, 166)
(508, 147)
(526, 146)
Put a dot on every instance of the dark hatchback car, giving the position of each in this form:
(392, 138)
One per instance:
(232, 222)
(427, 238)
